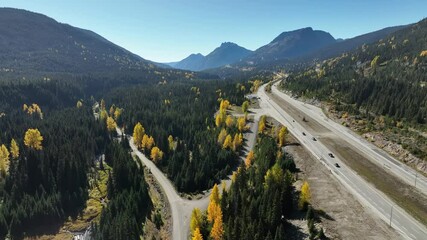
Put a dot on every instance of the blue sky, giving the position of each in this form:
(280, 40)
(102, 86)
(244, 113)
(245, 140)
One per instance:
(169, 30)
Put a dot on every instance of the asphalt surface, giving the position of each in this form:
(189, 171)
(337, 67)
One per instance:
(362, 190)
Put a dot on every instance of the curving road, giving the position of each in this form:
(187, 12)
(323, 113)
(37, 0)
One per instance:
(367, 194)
(181, 208)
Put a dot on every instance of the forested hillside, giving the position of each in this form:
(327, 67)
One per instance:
(180, 119)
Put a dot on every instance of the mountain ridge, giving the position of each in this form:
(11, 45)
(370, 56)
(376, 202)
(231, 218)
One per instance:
(38, 43)
(226, 53)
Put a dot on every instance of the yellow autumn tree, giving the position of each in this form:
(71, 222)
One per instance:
(4, 159)
(273, 175)
(103, 115)
(117, 113)
(228, 142)
(196, 219)
(25, 107)
(33, 139)
(156, 154)
(241, 124)
(229, 121)
(214, 197)
(138, 134)
(218, 120)
(245, 106)
(197, 235)
(282, 136)
(261, 124)
(14, 149)
(111, 124)
(150, 143)
(213, 210)
(237, 141)
(171, 143)
(217, 230)
(221, 136)
(249, 159)
(79, 104)
(144, 141)
(305, 196)
(224, 105)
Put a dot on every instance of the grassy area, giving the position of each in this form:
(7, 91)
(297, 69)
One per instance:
(97, 194)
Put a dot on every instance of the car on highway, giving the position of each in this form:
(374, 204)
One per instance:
(303, 133)
(337, 165)
(314, 139)
(331, 155)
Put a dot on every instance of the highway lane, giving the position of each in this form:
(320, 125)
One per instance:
(365, 193)
(373, 153)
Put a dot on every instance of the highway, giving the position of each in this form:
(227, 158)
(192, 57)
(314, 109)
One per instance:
(373, 153)
(368, 195)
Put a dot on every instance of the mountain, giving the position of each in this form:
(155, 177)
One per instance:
(31, 42)
(227, 53)
(292, 44)
(193, 62)
(346, 45)
(261, 60)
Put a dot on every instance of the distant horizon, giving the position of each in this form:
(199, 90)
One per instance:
(169, 31)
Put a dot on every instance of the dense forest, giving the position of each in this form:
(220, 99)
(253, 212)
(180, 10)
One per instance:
(45, 181)
(384, 78)
(261, 195)
(259, 201)
(129, 202)
(185, 111)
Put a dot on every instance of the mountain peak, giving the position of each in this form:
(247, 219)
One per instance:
(226, 53)
(229, 44)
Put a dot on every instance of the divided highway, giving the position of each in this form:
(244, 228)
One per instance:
(376, 154)
(365, 192)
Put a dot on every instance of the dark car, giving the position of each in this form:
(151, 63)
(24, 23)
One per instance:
(303, 133)
(314, 139)
(337, 165)
(331, 155)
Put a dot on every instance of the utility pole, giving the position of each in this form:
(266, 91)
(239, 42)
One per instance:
(391, 214)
